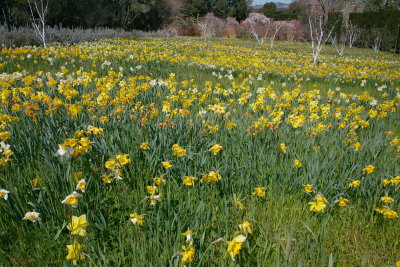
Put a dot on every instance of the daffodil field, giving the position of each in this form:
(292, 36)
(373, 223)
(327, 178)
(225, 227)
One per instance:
(172, 152)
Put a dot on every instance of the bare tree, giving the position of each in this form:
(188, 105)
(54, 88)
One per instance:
(318, 36)
(276, 26)
(353, 34)
(377, 35)
(38, 13)
(260, 38)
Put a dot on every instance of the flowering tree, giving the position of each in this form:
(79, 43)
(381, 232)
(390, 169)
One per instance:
(258, 25)
(210, 25)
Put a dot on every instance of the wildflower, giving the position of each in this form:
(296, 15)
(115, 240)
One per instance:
(4, 135)
(111, 164)
(368, 169)
(215, 149)
(390, 214)
(387, 199)
(166, 164)
(154, 199)
(72, 199)
(159, 180)
(152, 189)
(74, 252)
(357, 146)
(78, 225)
(180, 152)
(381, 209)
(259, 191)
(35, 182)
(342, 202)
(4, 194)
(32, 216)
(297, 163)
(385, 182)
(63, 151)
(106, 178)
(283, 148)
(189, 180)
(245, 227)
(235, 246)
(187, 255)
(188, 233)
(137, 219)
(239, 203)
(81, 185)
(316, 206)
(123, 159)
(319, 204)
(144, 146)
(211, 176)
(355, 183)
(395, 180)
(309, 188)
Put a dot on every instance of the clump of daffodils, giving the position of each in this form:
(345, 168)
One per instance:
(212, 176)
(319, 204)
(115, 166)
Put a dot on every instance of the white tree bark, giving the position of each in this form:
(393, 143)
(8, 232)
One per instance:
(38, 24)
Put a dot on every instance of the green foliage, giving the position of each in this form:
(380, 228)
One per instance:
(384, 22)
(269, 10)
(335, 21)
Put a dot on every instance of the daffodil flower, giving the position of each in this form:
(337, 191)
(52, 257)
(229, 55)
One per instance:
(32, 216)
(78, 225)
(235, 246)
(72, 199)
(4, 194)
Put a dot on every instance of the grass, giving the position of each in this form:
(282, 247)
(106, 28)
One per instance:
(141, 79)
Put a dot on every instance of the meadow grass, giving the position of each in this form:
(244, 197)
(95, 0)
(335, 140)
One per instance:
(336, 118)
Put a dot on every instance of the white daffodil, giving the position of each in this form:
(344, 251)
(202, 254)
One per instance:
(63, 153)
(32, 216)
(4, 194)
(81, 185)
(72, 199)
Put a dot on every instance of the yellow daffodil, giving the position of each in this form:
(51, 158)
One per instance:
(212, 176)
(283, 148)
(188, 233)
(259, 191)
(309, 188)
(180, 152)
(390, 214)
(297, 163)
(355, 184)
(144, 146)
(215, 149)
(235, 246)
(342, 202)
(368, 169)
(75, 252)
(137, 219)
(166, 164)
(159, 180)
(187, 255)
(387, 199)
(189, 180)
(245, 227)
(78, 225)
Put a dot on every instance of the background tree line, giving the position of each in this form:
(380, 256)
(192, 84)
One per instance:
(124, 14)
